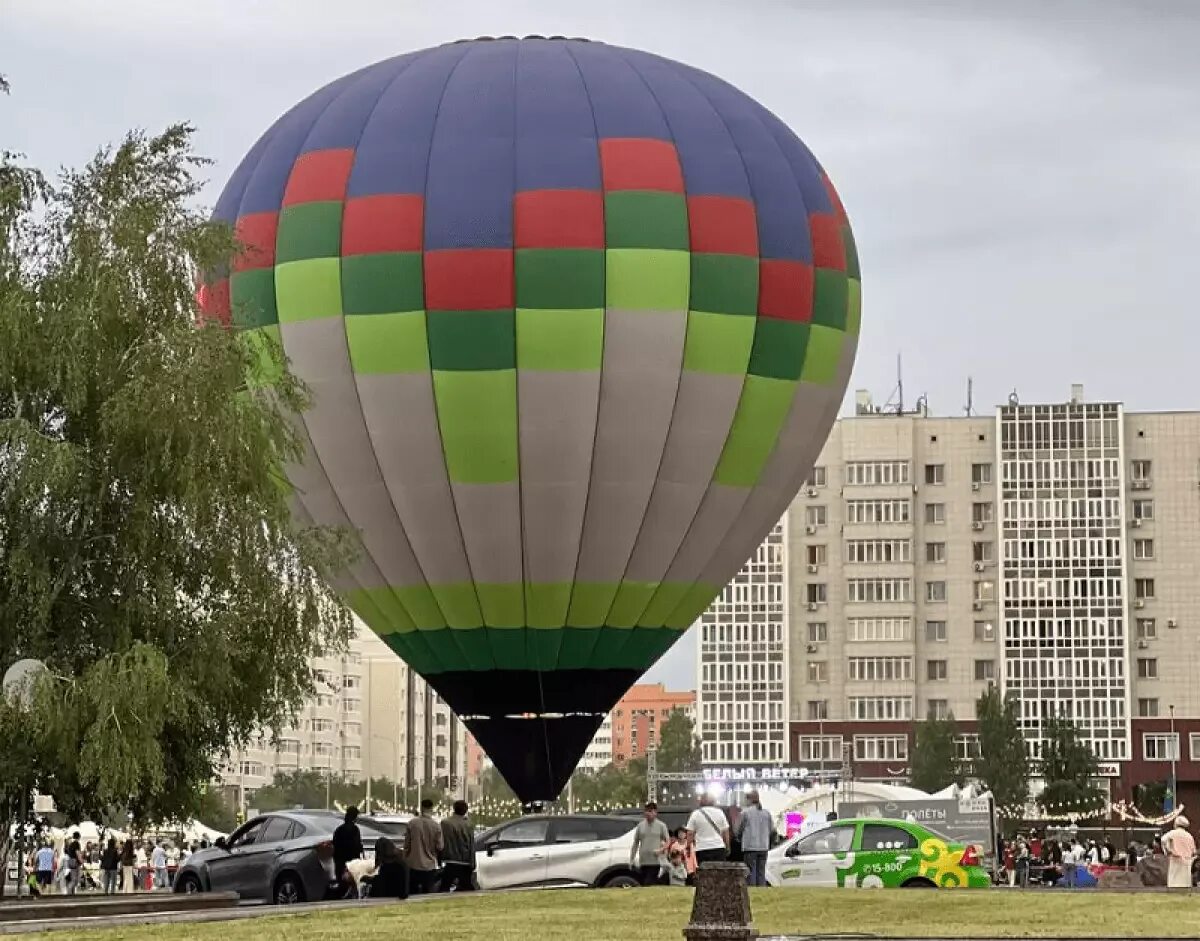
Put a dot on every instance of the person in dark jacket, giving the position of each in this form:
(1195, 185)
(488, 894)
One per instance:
(347, 845)
(458, 852)
(110, 866)
(391, 875)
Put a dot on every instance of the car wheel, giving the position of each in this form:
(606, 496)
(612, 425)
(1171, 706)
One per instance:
(918, 884)
(188, 884)
(620, 881)
(289, 890)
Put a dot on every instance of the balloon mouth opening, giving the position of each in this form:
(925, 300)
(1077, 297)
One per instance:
(532, 715)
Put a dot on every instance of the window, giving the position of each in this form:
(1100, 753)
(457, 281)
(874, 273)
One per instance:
(815, 592)
(818, 671)
(985, 631)
(878, 836)
(935, 591)
(983, 512)
(870, 473)
(817, 555)
(1143, 509)
(881, 748)
(878, 589)
(1141, 470)
(864, 708)
(351, 751)
(935, 631)
(322, 725)
(985, 670)
(863, 551)
(983, 552)
(966, 747)
(523, 833)
(868, 630)
(1146, 628)
(1143, 549)
(824, 842)
(981, 473)
(817, 710)
(1143, 588)
(935, 513)
(873, 669)
(935, 552)
(818, 632)
(936, 669)
(938, 709)
(877, 511)
(1194, 745)
(251, 833)
(816, 516)
(1147, 668)
(985, 591)
(817, 478)
(351, 681)
(1160, 746)
(819, 747)
(1147, 708)
(935, 474)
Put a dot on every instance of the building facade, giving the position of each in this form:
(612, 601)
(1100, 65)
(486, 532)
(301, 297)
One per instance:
(600, 752)
(639, 716)
(1051, 549)
(744, 653)
(369, 714)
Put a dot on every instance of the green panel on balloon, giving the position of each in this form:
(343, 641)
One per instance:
(388, 343)
(471, 339)
(630, 602)
(646, 279)
(823, 356)
(419, 602)
(265, 347)
(590, 603)
(477, 414)
(444, 645)
(645, 219)
(508, 648)
(459, 605)
(607, 654)
(395, 616)
(546, 605)
(853, 307)
(557, 278)
(718, 343)
(542, 649)
(308, 290)
(829, 298)
(503, 606)
(697, 599)
(382, 283)
(309, 230)
(725, 284)
(575, 653)
(779, 347)
(852, 269)
(666, 599)
(560, 340)
(252, 298)
(760, 415)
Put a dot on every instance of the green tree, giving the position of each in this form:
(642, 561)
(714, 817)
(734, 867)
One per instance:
(678, 753)
(1003, 763)
(1069, 768)
(147, 553)
(1150, 798)
(934, 761)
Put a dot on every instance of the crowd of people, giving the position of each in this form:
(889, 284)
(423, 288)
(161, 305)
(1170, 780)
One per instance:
(113, 866)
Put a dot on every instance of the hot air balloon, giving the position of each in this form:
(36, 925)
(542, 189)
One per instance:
(576, 320)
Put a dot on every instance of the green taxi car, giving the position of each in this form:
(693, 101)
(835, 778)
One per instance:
(875, 853)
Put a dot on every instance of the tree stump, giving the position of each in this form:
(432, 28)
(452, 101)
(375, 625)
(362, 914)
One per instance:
(721, 907)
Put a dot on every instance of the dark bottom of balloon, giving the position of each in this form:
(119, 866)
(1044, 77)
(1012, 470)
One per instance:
(535, 726)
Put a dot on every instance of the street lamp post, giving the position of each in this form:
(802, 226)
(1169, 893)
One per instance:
(1174, 757)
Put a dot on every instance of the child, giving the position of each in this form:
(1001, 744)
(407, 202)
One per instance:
(676, 868)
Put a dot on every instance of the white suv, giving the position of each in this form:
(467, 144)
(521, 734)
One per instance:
(557, 851)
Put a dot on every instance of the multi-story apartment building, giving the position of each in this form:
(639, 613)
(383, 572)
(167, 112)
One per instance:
(639, 715)
(369, 714)
(1052, 549)
(600, 752)
(742, 708)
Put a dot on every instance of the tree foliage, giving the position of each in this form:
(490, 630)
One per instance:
(934, 762)
(1069, 768)
(1003, 763)
(678, 752)
(147, 555)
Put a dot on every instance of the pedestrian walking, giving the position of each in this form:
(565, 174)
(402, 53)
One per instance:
(708, 832)
(45, 866)
(73, 859)
(110, 866)
(128, 867)
(423, 845)
(347, 845)
(646, 855)
(754, 829)
(458, 851)
(158, 862)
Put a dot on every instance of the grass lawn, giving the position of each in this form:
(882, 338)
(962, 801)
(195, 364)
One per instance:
(660, 914)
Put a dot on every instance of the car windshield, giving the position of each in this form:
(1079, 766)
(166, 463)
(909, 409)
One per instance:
(386, 827)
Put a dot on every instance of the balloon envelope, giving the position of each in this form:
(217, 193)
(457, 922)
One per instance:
(576, 319)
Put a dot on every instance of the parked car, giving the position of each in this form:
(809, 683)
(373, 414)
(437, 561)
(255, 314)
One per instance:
(676, 817)
(570, 850)
(282, 857)
(873, 852)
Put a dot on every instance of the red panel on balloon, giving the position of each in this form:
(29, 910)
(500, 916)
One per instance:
(559, 219)
(318, 176)
(722, 224)
(785, 289)
(256, 234)
(390, 223)
(834, 198)
(469, 279)
(828, 251)
(633, 163)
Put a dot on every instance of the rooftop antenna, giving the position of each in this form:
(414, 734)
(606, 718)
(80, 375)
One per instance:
(895, 402)
(970, 397)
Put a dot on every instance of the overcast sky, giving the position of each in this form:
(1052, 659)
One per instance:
(1022, 176)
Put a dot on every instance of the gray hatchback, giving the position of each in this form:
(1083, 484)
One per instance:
(283, 857)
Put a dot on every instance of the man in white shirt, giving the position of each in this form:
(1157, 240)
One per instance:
(1068, 865)
(708, 832)
(158, 862)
